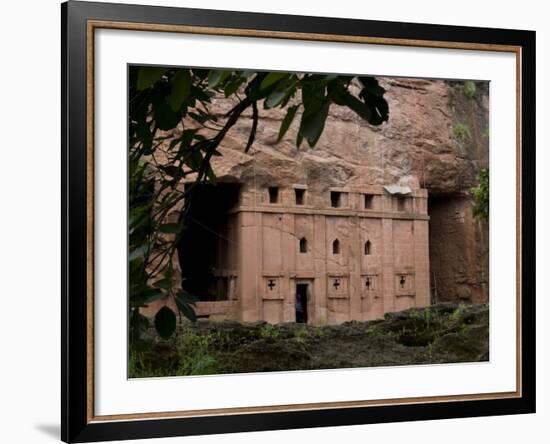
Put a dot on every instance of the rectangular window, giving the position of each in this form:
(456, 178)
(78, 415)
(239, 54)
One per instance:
(369, 198)
(335, 199)
(273, 194)
(401, 204)
(300, 196)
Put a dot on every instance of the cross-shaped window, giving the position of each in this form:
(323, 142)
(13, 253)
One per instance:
(271, 284)
(336, 284)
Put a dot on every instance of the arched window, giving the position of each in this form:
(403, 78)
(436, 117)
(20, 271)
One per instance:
(367, 247)
(303, 245)
(336, 247)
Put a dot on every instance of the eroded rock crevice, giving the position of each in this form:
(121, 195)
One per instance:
(459, 259)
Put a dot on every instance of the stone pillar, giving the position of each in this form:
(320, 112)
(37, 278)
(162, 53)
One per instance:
(320, 267)
(422, 263)
(250, 259)
(387, 275)
(288, 265)
(355, 287)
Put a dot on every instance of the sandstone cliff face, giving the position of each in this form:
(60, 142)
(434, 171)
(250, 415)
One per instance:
(436, 138)
(425, 137)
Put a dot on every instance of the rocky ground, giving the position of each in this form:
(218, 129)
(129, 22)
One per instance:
(443, 333)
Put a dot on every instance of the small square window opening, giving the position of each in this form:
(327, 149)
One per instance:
(300, 196)
(273, 194)
(335, 199)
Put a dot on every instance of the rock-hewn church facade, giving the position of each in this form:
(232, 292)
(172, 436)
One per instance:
(291, 254)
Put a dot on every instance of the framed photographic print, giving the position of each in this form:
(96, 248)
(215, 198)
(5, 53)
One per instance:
(275, 221)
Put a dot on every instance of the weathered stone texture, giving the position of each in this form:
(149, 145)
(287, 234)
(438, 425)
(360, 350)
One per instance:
(417, 141)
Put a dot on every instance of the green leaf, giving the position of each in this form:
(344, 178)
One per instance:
(138, 292)
(187, 311)
(199, 117)
(165, 322)
(200, 73)
(371, 85)
(318, 80)
(172, 170)
(181, 86)
(233, 86)
(184, 305)
(138, 253)
(186, 139)
(169, 228)
(138, 324)
(379, 109)
(274, 99)
(312, 124)
(143, 132)
(142, 296)
(271, 79)
(187, 297)
(165, 283)
(210, 174)
(148, 75)
(152, 295)
(194, 160)
(217, 76)
(312, 97)
(165, 117)
(286, 122)
(254, 128)
(356, 105)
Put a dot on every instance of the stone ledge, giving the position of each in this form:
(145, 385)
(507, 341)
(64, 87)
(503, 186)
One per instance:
(344, 212)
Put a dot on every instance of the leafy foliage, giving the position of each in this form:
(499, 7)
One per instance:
(469, 89)
(165, 322)
(173, 136)
(480, 194)
(461, 132)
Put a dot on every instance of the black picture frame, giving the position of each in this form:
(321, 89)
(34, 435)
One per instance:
(77, 425)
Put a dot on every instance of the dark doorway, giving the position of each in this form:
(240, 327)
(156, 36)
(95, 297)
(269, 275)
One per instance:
(205, 242)
(301, 303)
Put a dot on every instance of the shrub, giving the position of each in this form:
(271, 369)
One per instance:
(269, 331)
(305, 333)
(469, 89)
(141, 367)
(480, 193)
(195, 357)
(461, 132)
